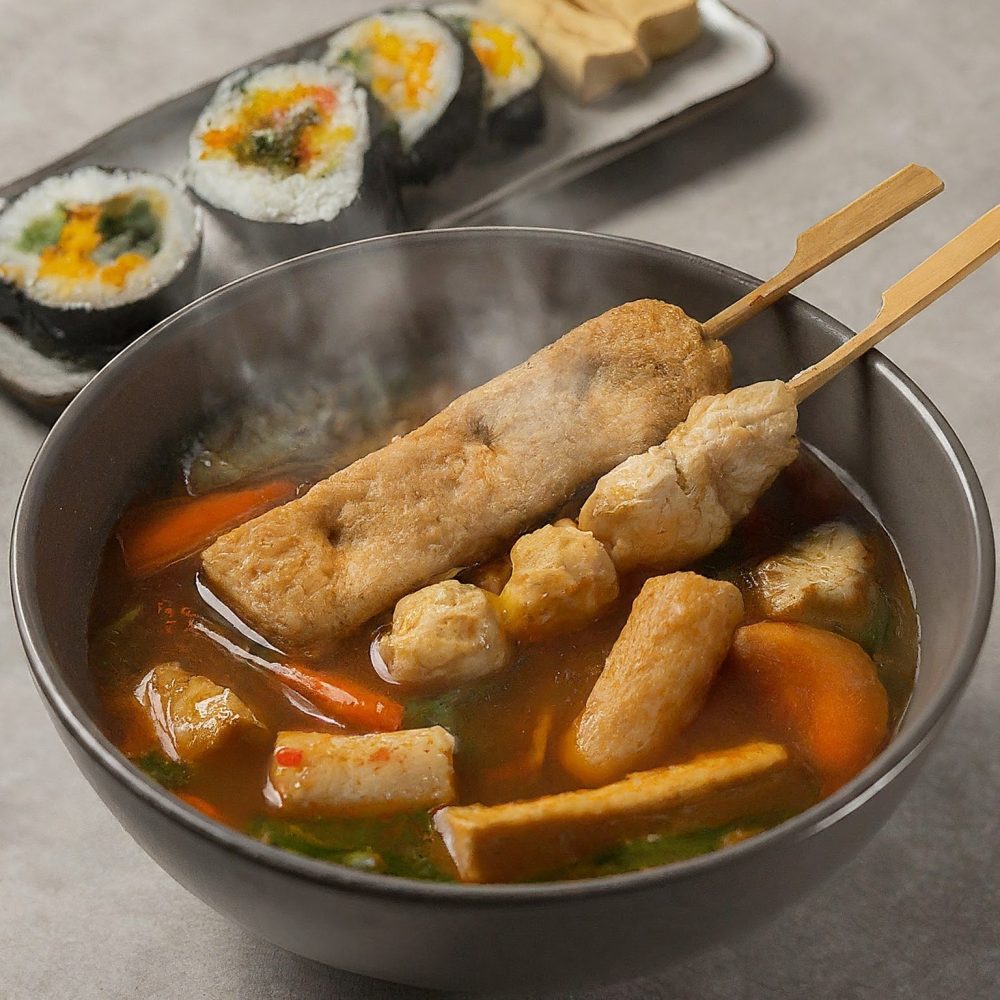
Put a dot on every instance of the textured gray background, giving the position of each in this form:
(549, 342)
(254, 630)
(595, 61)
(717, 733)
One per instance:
(863, 88)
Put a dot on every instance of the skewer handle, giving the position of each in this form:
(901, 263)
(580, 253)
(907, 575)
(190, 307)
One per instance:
(835, 236)
(926, 283)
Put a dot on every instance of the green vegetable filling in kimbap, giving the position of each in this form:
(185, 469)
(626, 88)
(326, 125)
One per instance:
(105, 241)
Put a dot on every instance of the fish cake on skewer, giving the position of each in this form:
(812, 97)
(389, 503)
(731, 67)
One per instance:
(450, 493)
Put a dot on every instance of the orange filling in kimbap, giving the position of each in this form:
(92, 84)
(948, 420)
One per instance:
(287, 130)
(105, 241)
(496, 48)
(404, 72)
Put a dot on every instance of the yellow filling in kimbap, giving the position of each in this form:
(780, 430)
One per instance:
(400, 71)
(288, 130)
(104, 240)
(497, 48)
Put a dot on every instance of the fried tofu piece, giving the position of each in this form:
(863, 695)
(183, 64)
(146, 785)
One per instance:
(562, 578)
(372, 775)
(656, 677)
(191, 715)
(825, 578)
(662, 27)
(590, 53)
(680, 500)
(518, 840)
(445, 635)
(455, 491)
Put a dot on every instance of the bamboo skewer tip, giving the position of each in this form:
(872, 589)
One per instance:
(832, 238)
(925, 284)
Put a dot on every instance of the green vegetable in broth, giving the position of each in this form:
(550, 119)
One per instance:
(441, 710)
(169, 773)
(404, 845)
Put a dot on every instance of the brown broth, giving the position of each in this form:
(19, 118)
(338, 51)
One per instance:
(136, 624)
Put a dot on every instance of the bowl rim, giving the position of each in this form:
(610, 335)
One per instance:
(898, 755)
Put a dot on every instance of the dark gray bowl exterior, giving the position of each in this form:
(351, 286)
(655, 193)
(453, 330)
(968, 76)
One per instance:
(495, 295)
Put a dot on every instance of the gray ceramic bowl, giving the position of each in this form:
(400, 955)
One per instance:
(470, 302)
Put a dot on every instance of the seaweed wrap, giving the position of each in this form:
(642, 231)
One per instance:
(296, 157)
(424, 76)
(93, 258)
(512, 71)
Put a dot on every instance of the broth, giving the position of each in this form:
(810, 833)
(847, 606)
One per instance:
(170, 616)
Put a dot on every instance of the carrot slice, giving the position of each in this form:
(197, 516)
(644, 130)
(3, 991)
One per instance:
(344, 699)
(159, 534)
(201, 805)
(821, 690)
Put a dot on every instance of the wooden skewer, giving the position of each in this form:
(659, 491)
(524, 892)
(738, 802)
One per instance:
(835, 236)
(926, 283)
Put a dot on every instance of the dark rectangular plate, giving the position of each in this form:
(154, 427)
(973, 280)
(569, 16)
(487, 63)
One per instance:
(730, 55)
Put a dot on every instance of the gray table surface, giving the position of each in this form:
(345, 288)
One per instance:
(863, 88)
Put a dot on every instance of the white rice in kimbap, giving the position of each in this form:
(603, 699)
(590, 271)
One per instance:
(512, 69)
(287, 143)
(97, 239)
(425, 78)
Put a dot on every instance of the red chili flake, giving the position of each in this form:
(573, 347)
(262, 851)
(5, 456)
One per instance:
(288, 757)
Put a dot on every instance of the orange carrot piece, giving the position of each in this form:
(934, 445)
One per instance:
(159, 534)
(344, 699)
(821, 689)
(201, 805)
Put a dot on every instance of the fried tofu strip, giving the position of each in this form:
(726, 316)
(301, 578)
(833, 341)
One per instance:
(373, 775)
(452, 492)
(589, 52)
(191, 715)
(680, 500)
(662, 27)
(519, 840)
(656, 677)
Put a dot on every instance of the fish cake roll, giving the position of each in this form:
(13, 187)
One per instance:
(656, 677)
(453, 492)
(372, 775)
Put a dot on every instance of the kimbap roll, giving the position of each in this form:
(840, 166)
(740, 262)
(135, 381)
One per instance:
(288, 150)
(91, 259)
(512, 70)
(424, 76)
